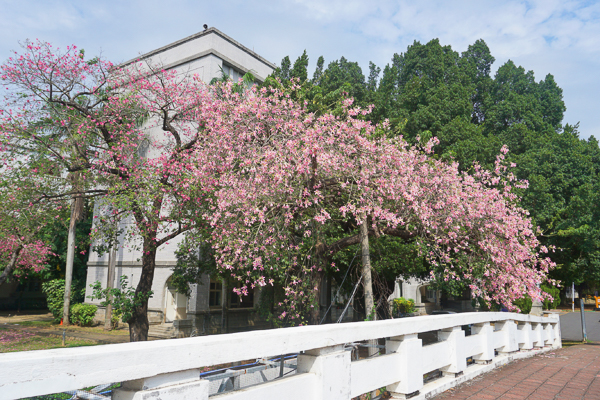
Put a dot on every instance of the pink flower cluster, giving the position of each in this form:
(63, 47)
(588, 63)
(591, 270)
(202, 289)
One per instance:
(278, 173)
(31, 259)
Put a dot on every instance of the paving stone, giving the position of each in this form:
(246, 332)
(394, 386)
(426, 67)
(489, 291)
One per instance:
(570, 373)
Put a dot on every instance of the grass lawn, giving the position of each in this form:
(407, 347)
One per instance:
(19, 340)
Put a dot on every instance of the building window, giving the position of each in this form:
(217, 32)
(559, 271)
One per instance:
(233, 73)
(216, 290)
(242, 301)
(430, 294)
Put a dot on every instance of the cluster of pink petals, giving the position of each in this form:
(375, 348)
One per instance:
(31, 259)
(275, 170)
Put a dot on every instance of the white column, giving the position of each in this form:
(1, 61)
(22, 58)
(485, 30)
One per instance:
(485, 334)
(557, 337)
(536, 335)
(331, 365)
(455, 340)
(182, 385)
(509, 337)
(548, 334)
(411, 369)
(524, 333)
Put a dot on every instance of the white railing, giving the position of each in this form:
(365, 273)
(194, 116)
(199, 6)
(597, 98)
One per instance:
(170, 369)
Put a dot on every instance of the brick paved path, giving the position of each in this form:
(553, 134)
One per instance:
(570, 373)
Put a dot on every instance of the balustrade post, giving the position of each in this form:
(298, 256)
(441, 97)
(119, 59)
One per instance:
(331, 366)
(536, 335)
(181, 385)
(524, 332)
(548, 335)
(509, 337)
(557, 344)
(411, 369)
(455, 339)
(485, 334)
(552, 334)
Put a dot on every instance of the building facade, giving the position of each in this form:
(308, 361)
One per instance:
(207, 54)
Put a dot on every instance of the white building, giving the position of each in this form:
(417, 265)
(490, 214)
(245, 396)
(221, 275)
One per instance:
(427, 300)
(205, 54)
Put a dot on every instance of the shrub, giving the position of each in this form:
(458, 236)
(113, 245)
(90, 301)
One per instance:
(403, 306)
(555, 293)
(115, 318)
(124, 300)
(83, 314)
(55, 292)
(525, 304)
(55, 296)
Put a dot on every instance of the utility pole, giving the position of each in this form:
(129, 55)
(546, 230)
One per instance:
(572, 296)
(583, 330)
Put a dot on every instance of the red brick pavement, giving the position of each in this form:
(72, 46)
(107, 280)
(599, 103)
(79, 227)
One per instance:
(571, 373)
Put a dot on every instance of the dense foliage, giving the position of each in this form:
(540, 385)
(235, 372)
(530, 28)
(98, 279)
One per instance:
(124, 299)
(55, 292)
(403, 306)
(282, 179)
(432, 90)
(83, 314)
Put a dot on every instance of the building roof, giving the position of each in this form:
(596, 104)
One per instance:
(188, 58)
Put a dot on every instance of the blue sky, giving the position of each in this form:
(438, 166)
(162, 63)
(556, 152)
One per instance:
(548, 36)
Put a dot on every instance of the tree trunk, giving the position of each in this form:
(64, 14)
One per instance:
(76, 212)
(315, 313)
(70, 258)
(11, 264)
(328, 300)
(138, 324)
(110, 284)
(366, 271)
(370, 311)
(224, 304)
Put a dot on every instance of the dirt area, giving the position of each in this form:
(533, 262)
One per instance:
(40, 324)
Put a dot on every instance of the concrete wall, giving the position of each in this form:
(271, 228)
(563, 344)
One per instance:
(133, 273)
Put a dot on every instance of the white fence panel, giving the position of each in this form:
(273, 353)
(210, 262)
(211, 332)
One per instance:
(170, 369)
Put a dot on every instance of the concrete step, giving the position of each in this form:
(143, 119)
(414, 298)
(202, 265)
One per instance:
(163, 331)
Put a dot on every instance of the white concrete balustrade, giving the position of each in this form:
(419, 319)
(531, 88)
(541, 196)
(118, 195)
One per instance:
(169, 369)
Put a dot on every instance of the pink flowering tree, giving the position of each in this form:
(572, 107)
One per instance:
(22, 217)
(283, 179)
(121, 134)
(20, 258)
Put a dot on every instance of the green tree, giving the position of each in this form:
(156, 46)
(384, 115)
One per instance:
(300, 69)
(479, 60)
(563, 174)
(347, 76)
(316, 80)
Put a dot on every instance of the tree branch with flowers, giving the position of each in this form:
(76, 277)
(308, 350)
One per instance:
(282, 177)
